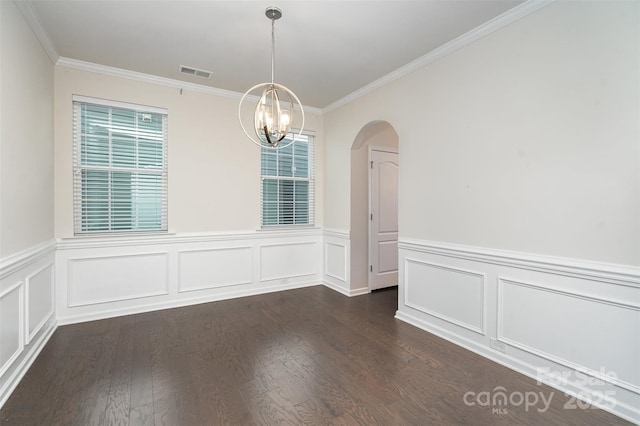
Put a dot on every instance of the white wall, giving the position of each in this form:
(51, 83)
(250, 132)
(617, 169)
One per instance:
(526, 139)
(26, 141)
(214, 171)
(27, 316)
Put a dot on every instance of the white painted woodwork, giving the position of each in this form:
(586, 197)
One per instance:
(383, 223)
(449, 293)
(103, 277)
(592, 332)
(213, 268)
(110, 278)
(530, 313)
(27, 315)
(337, 263)
(39, 304)
(289, 260)
(542, 316)
(11, 329)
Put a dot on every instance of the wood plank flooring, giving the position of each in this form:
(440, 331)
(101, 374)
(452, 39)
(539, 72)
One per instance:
(306, 356)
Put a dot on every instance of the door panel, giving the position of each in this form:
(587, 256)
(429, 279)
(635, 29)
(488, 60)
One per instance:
(387, 182)
(387, 256)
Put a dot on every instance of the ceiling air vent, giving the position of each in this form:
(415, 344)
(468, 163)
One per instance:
(195, 71)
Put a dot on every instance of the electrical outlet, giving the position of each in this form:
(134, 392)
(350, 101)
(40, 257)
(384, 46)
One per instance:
(498, 345)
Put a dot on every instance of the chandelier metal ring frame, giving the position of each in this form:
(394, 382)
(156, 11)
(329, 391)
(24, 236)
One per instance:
(258, 141)
(272, 118)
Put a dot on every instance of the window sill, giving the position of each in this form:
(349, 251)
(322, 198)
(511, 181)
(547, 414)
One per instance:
(113, 239)
(170, 238)
(126, 234)
(269, 228)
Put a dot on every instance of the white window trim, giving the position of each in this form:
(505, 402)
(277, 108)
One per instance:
(118, 104)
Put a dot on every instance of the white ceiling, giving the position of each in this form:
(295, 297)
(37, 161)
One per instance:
(325, 50)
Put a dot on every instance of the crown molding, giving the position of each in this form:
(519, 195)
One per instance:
(147, 78)
(31, 16)
(162, 81)
(509, 17)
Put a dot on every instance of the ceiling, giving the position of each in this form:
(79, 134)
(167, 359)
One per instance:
(325, 50)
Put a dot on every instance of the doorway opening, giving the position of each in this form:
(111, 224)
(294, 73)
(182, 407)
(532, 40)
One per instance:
(368, 268)
(383, 217)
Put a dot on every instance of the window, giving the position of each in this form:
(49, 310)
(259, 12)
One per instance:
(120, 167)
(287, 191)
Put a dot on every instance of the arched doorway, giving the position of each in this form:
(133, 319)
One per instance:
(377, 135)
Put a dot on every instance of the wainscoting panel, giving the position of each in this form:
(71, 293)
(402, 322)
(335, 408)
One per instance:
(571, 324)
(584, 333)
(283, 261)
(11, 325)
(213, 268)
(451, 294)
(104, 277)
(336, 272)
(40, 304)
(335, 262)
(27, 316)
(387, 259)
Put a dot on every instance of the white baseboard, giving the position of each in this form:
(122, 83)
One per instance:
(345, 291)
(359, 291)
(25, 363)
(337, 288)
(625, 411)
(104, 314)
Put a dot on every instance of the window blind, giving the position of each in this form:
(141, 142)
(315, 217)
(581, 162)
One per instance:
(120, 167)
(287, 190)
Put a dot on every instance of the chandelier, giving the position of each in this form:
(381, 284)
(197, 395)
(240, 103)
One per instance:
(275, 111)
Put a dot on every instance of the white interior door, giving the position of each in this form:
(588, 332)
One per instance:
(383, 218)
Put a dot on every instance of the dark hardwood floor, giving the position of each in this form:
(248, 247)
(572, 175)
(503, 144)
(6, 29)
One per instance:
(306, 356)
